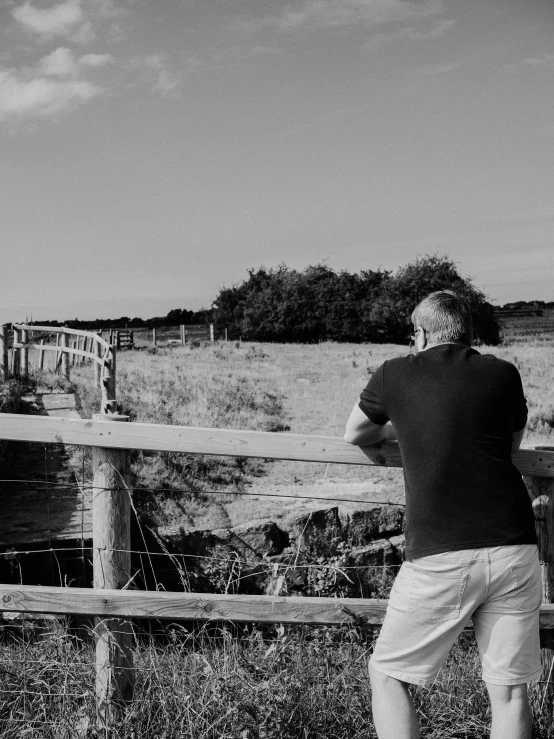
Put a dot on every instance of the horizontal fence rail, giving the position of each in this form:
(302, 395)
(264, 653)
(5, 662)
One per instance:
(226, 442)
(62, 330)
(202, 606)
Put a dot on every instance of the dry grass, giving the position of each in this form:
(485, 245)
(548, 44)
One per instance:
(309, 388)
(230, 683)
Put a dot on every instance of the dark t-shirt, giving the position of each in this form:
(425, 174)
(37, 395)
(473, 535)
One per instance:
(454, 412)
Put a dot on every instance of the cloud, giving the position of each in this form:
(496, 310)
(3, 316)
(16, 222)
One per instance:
(409, 33)
(95, 60)
(41, 96)
(60, 63)
(66, 19)
(435, 70)
(58, 20)
(167, 82)
(311, 15)
(545, 60)
(55, 85)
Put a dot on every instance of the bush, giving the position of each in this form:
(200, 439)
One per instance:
(319, 304)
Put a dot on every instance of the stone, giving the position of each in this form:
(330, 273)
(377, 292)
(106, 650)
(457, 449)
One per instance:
(391, 519)
(317, 532)
(375, 569)
(379, 553)
(261, 538)
(362, 523)
(253, 540)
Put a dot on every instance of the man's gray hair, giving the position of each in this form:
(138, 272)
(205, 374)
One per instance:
(445, 316)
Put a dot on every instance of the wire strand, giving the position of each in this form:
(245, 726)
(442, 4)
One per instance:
(142, 489)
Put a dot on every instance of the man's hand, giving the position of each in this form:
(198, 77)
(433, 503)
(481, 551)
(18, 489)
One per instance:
(361, 431)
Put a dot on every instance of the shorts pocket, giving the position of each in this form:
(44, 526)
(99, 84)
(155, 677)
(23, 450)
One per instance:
(436, 592)
(526, 585)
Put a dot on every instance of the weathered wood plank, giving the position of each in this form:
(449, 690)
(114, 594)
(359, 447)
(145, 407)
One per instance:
(63, 330)
(4, 357)
(157, 437)
(200, 606)
(53, 348)
(225, 442)
(111, 533)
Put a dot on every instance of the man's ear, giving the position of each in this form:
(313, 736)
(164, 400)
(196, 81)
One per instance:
(424, 341)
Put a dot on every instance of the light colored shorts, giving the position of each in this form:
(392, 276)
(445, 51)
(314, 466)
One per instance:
(432, 599)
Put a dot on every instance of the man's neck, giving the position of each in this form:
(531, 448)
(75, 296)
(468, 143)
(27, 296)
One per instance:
(432, 345)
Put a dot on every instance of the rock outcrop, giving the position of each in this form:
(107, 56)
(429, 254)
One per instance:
(346, 549)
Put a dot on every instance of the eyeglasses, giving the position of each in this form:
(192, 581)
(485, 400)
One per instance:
(412, 337)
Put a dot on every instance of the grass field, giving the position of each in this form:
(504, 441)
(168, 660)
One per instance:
(272, 387)
(254, 683)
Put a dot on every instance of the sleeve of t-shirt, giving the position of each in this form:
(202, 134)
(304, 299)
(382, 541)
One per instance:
(372, 398)
(519, 403)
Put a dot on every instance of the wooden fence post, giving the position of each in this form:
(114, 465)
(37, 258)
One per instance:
(97, 349)
(109, 402)
(111, 532)
(41, 356)
(65, 356)
(57, 356)
(541, 490)
(24, 364)
(182, 332)
(154, 336)
(16, 353)
(212, 333)
(4, 356)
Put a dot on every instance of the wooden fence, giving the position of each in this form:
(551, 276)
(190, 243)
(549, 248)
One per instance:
(111, 438)
(181, 335)
(187, 334)
(71, 345)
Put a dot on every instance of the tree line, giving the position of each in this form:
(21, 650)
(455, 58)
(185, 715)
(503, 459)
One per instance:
(175, 317)
(281, 304)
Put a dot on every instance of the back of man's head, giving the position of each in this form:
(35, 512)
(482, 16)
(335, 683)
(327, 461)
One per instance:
(445, 317)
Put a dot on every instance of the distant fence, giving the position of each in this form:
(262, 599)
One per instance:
(183, 334)
(70, 346)
(178, 334)
(121, 337)
(112, 544)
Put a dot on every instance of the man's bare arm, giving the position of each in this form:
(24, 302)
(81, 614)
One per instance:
(361, 431)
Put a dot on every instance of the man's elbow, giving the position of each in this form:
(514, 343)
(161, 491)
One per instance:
(351, 437)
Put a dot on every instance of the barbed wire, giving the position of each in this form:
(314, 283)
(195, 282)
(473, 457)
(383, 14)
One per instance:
(177, 555)
(142, 488)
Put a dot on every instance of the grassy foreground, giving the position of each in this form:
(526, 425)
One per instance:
(205, 683)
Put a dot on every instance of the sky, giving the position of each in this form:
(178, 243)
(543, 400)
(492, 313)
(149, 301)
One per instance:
(152, 151)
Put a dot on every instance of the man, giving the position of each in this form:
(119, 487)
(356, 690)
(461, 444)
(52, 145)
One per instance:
(470, 534)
